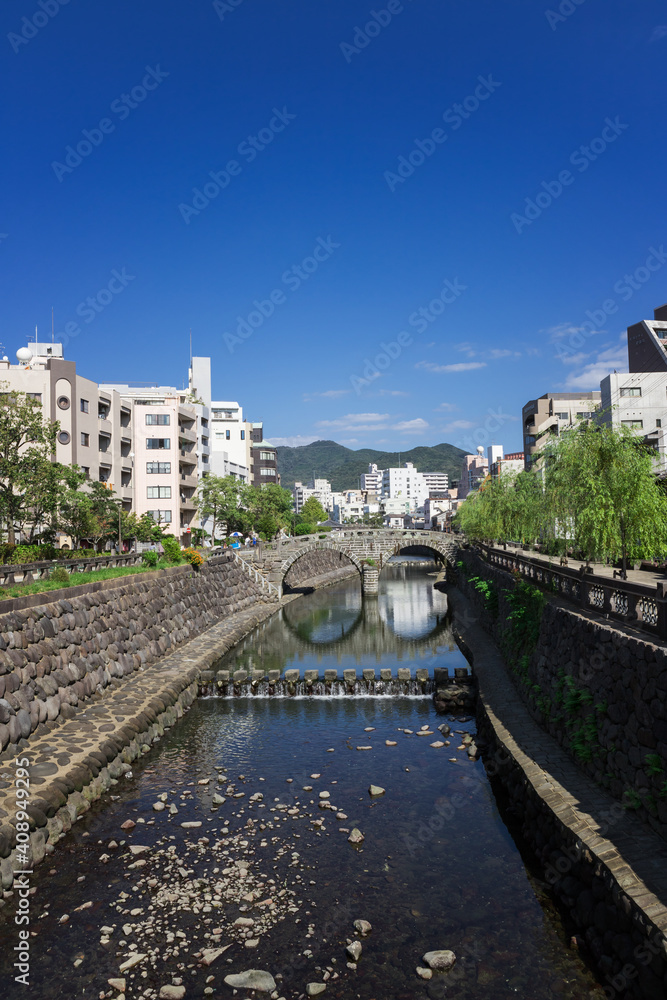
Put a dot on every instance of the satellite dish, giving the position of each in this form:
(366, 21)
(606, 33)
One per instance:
(5, 358)
(24, 354)
(480, 449)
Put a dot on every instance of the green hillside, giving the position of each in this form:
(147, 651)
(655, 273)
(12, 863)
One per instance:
(342, 466)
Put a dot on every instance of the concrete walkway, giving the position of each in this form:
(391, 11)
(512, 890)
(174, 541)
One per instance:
(632, 855)
(648, 578)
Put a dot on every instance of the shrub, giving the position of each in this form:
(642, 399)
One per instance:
(172, 548)
(25, 554)
(6, 551)
(195, 558)
(305, 529)
(59, 575)
(370, 562)
(150, 558)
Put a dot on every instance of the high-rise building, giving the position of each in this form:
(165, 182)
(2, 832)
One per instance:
(550, 414)
(96, 426)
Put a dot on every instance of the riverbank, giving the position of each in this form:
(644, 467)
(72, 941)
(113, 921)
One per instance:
(606, 869)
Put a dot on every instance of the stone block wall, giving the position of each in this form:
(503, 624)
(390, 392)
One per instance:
(598, 688)
(53, 656)
(318, 564)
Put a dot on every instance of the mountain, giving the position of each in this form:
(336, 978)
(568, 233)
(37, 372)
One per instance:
(342, 466)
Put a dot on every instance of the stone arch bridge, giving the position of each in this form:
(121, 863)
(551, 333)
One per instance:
(273, 561)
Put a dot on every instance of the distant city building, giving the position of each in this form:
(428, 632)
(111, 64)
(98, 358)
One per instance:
(474, 470)
(647, 343)
(318, 488)
(230, 440)
(638, 400)
(371, 481)
(549, 415)
(500, 464)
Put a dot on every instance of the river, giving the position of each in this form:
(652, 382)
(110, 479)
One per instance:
(276, 785)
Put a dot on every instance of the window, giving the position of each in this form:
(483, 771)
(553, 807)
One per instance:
(158, 492)
(562, 416)
(243, 435)
(267, 456)
(633, 423)
(204, 441)
(64, 437)
(85, 439)
(628, 391)
(163, 419)
(529, 439)
(162, 516)
(228, 434)
(86, 471)
(585, 415)
(658, 423)
(63, 402)
(163, 443)
(160, 468)
(84, 405)
(34, 395)
(267, 472)
(204, 422)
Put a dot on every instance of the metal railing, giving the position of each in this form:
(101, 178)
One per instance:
(255, 575)
(634, 603)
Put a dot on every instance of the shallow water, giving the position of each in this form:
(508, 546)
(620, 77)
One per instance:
(437, 869)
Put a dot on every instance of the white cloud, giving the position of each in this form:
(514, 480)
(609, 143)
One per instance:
(295, 441)
(329, 394)
(659, 32)
(446, 407)
(458, 425)
(465, 347)
(464, 366)
(590, 376)
(392, 392)
(502, 353)
(411, 426)
(357, 422)
(568, 330)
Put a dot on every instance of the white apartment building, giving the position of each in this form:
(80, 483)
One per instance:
(95, 422)
(436, 482)
(371, 481)
(638, 400)
(318, 488)
(231, 441)
(405, 484)
(549, 415)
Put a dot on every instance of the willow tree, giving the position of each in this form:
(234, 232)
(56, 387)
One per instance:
(601, 491)
(509, 508)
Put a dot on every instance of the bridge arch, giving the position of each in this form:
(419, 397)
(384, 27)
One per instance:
(293, 558)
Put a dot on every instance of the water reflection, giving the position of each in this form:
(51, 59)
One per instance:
(408, 603)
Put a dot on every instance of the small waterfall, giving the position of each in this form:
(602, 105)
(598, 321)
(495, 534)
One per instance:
(227, 686)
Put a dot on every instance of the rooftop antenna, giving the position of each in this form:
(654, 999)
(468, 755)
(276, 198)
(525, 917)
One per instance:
(53, 336)
(190, 347)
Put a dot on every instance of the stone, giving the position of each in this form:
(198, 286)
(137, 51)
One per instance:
(356, 837)
(439, 960)
(354, 950)
(118, 984)
(437, 744)
(424, 973)
(314, 989)
(324, 795)
(158, 806)
(172, 992)
(363, 927)
(129, 824)
(376, 790)
(253, 979)
(192, 824)
(390, 743)
(209, 955)
(138, 848)
(129, 963)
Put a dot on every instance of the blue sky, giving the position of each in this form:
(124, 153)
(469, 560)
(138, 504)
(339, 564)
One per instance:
(387, 224)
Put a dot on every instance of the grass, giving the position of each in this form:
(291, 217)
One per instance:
(76, 579)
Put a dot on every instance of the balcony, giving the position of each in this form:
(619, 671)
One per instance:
(188, 481)
(188, 503)
(104, 426)
(185, 434)
(186, 460)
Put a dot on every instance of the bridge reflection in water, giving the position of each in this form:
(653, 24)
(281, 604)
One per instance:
(405, 622)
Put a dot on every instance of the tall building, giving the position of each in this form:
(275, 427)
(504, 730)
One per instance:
(371, 481)
(638, 400)
(647, 343)
(96, 426)
(263, 458)
(550, 414)
(474, 470)
(230, 441)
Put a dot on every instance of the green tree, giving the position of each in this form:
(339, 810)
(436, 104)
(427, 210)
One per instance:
(27, 442)
(601, 490)
(44, 484)
(269, 505)
(312, 512)
(220, 497)
(89, 514)
(509, 508)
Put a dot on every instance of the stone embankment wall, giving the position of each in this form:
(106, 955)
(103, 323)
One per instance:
(54, 656)
(318, 569)
(598, 688)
